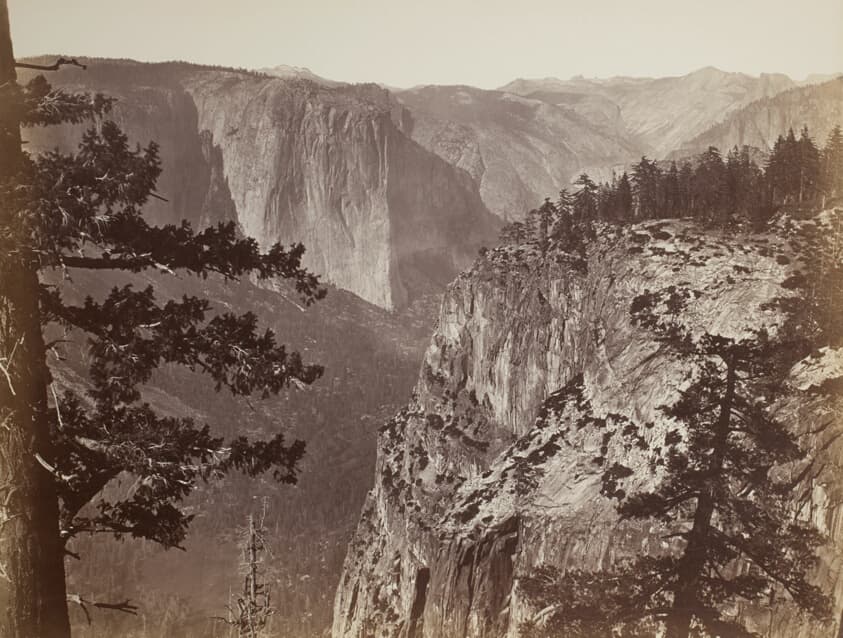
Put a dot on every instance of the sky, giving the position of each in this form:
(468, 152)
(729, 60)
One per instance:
(484, 43)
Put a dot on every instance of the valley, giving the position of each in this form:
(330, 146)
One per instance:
(399, 196)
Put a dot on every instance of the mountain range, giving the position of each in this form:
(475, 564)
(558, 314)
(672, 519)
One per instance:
(394, 192)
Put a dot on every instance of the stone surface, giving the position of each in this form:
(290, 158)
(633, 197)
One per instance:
(495, 466)
(292, 160)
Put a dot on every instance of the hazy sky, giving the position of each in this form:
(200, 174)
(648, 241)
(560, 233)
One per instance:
(485, 43)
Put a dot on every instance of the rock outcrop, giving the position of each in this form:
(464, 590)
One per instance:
(294, 160)
(494, 468)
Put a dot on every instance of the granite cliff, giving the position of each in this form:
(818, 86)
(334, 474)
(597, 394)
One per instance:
(294, 160)
(494, 467)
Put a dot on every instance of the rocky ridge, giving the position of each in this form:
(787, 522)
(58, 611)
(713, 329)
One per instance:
(758, 124)
(494, 468)
(523, 142)
(662, 113)
(517, 149)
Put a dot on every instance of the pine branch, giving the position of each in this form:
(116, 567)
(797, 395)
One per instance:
(125, 606)
(52, 67)
(226, 347)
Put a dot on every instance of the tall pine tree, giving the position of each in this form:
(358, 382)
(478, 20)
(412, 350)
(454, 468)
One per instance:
(809, 168)
(832, 164)
(64, 212)
(585, 198)
(719, 497)
(646, 188)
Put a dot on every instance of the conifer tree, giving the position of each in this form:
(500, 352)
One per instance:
(547, 215)
(744, 184)
(686, 183)
(832, 164)
(646, 187)
(791, 166)
(606, 195)
(65, 212)
(585, 198)
(809, 168)
(565, 203)
(710, 186)
(731, 514)
(624, 197)
(562, 225)
(532, 225)
(253, 610)
(671, 191)
(775, 171)
(513, 233)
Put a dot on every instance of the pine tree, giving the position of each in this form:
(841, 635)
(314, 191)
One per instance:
(64, 212)
(585, 198)
(710, 186)
(744, 184)
(565, 203)
(809, 168)
(624, 197)
(513, 233)
(739, 539)
(547, 216)
(686, 183)
(791, 166)
(671, 191)
(775, 172)
(562, 224)
(532, 226)
(832, 164)
(253, 610)
(646, 187)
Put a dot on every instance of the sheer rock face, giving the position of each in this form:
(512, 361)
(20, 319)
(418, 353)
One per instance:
(294, 161)
(332, 169)
(495, 466)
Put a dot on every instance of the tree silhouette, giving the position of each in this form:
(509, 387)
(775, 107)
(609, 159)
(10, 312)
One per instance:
(64, 212)
(832, 164)
(718, 498)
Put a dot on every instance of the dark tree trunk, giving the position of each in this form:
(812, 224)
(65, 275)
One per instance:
(693, 561)
(32, 580)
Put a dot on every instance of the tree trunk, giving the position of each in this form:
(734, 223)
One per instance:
(692, 563)
(32, 581)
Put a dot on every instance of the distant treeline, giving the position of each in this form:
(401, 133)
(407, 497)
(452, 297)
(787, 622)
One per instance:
(710, 188)
(106, 74)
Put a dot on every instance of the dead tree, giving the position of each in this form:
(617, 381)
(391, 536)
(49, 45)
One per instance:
(249, 616)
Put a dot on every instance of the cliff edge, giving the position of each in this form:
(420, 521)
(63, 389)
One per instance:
(494, 468)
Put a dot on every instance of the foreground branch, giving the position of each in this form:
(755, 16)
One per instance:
(52, 67)
(126, 606)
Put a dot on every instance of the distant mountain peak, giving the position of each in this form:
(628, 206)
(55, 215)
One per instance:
(287, 71)
(709, 70)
